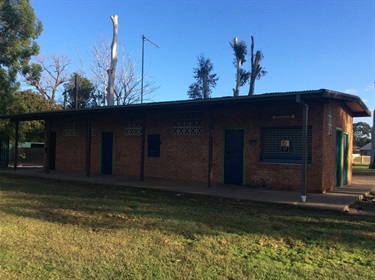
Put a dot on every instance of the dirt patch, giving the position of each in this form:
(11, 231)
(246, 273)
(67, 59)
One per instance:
(364, 205)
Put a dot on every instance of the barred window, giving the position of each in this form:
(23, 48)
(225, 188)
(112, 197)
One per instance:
(133, 126)
(188, 124)
(284, 145)
(70, 128)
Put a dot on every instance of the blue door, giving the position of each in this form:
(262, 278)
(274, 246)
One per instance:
(107, 152)
(346, 158)
(339, 156)
(233, 156)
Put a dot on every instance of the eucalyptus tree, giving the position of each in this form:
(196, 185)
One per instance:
(19, 28)
(361, 134)
(240, 52)
(51, 74)
(127, 82)
(205, 80)
(79, 93)
(112, 70)
(256, 70)
(29, 101)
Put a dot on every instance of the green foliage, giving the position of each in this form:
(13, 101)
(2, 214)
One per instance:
(64, 230)
(18, 30)
(86, 93)
(240, 51)
(204, 79)
(361, 134)
(29, 102)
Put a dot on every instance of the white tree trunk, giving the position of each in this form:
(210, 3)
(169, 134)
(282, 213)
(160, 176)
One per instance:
(112, 70)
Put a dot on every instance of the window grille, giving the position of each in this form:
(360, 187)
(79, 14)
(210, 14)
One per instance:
(133, 126)
(188, 124)
(70, 129)
(273, 145)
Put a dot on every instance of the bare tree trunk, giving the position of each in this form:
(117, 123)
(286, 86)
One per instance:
(255, 68)
(112, 70)
(205, 85)
(236, 92)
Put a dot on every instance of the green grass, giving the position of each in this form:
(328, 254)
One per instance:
(363, 170)
(61, 230)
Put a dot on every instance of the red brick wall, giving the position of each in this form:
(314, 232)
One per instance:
(185, 157)
(70, 150)
(341, 119)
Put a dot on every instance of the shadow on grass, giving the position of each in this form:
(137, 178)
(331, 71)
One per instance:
(99, 207)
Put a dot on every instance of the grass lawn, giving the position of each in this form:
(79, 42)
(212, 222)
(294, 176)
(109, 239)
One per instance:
(62, 230)
(363, 170)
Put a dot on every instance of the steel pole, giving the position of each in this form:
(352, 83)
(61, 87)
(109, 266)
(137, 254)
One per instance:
(304, 152)
(143, 58)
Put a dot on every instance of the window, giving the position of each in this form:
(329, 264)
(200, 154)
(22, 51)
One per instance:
(284, 145)
(70, 128)
(133, 126)
(153, 145)
(188, 124)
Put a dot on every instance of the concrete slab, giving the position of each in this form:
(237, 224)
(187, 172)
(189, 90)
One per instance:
(338, 200)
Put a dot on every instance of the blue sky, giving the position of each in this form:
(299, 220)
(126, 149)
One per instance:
(306, 44)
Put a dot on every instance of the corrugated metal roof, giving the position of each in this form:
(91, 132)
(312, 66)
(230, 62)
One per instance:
(366, 147)
(354, 103)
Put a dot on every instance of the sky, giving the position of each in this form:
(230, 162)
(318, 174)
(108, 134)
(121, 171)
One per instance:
(307, 45)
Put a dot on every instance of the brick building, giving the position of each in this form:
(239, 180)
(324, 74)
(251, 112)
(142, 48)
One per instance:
(276, 140)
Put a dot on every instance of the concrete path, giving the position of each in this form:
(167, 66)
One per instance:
(338, 200)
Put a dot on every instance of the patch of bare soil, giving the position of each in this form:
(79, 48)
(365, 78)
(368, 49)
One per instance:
(365, 205)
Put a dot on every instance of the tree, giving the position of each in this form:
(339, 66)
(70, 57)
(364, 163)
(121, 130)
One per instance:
(128, 83)
(204, 79)
(256, 70)
(112, 70)
(19, 28)
(27, 102)
(242, 76)
(361, 134)
(51, 73)
(85, 93)
(127, 88)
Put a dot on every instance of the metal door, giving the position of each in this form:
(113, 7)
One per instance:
(107, 152)
(346, 158)
(339, 161)
(234, 156)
